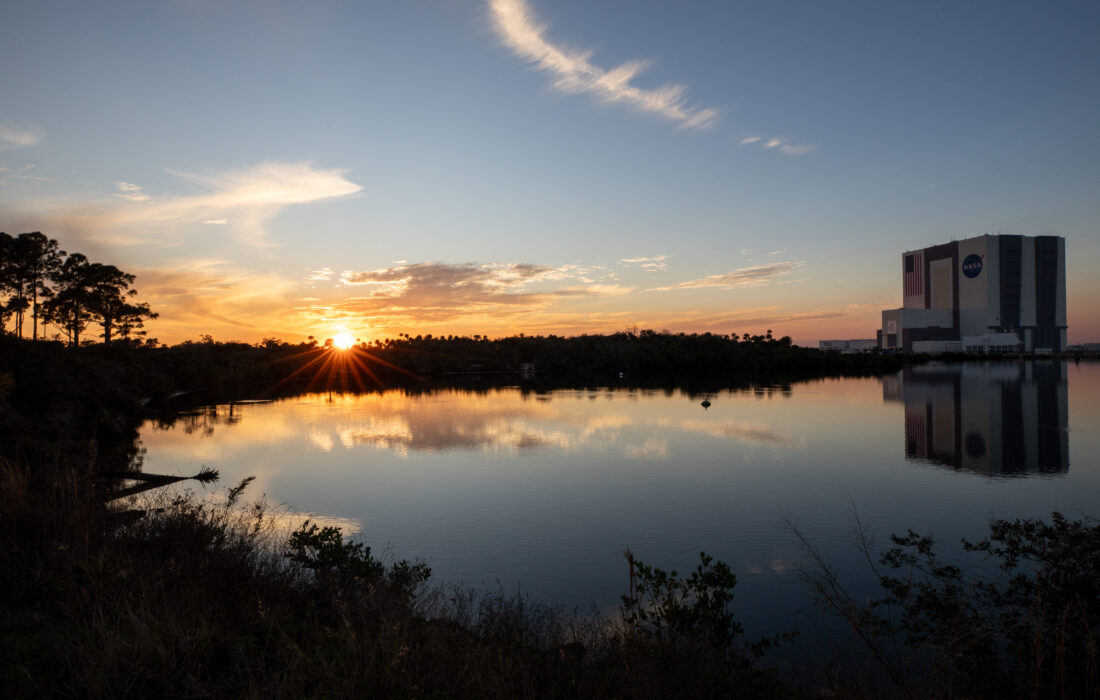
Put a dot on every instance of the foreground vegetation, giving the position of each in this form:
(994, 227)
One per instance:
(211, 599)
(938, 631)
(191, 597)
(217, 598)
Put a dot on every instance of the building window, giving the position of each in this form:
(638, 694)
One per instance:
(908, 263)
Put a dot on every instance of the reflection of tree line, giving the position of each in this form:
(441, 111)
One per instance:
(65, 398)
(202, 420)
(464, 420)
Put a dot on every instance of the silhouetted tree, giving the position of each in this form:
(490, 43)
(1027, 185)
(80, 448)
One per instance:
(6, 243)
(33, 259)
(108, 289)
(130, 321)
(70, 306)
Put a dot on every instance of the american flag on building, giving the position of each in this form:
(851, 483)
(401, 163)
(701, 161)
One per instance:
(914, 274)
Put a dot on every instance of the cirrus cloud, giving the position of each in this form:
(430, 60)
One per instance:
(784, 145)
(130, 192)
(244, 201)
(653, 264)
(754, 276)
(572, 71)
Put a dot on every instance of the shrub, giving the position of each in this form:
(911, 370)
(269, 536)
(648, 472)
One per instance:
(348, 566)
(1031, 633)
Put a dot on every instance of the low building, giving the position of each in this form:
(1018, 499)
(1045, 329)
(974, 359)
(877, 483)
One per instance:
(983, 294)
(849, 346)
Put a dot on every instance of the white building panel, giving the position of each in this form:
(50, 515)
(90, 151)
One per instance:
(941, 278)
(974, 276)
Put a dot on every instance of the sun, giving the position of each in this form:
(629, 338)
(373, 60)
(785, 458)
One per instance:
(343, 341)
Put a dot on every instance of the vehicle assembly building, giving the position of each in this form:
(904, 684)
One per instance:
(984, 294)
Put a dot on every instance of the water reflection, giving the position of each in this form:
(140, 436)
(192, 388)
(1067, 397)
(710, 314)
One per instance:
(545, 486)
(494, 421)
(990, 419)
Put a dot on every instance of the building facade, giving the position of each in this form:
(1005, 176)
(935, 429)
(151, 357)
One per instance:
(983, 294)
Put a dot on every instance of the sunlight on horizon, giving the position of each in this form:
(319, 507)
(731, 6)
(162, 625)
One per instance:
(343, 340)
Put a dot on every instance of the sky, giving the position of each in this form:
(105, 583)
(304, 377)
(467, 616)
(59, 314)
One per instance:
(285, 169)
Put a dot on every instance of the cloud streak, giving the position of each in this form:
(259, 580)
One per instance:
(243, 201)
(653, 264)
(783, 145)
(754, 276)
(130, 192)
(572, 71)
(16, 137)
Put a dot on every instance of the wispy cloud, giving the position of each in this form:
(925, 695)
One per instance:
(245, 201)
(778, 317)
(20, 137)
(654, 264)
(784, 145)
(23, 174)
(793, 149)
(573, 71)
(130, 192)
(755, 276)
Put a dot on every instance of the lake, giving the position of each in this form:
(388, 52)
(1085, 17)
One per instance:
(541, 491)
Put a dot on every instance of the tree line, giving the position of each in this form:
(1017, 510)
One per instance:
(46, 286)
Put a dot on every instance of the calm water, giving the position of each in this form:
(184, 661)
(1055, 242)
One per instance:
(542, 491)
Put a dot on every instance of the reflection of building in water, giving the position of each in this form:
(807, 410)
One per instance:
(997, 419)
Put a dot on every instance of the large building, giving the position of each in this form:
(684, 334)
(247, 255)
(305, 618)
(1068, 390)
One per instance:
(982, 294)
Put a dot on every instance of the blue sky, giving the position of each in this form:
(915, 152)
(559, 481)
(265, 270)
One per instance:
(285, 169)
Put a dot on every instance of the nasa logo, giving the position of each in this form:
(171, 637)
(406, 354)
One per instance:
(972, 266)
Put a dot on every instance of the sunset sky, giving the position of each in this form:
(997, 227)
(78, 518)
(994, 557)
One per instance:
(284, 169)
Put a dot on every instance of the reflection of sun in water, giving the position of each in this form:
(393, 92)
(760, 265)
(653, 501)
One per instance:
(343, 341)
